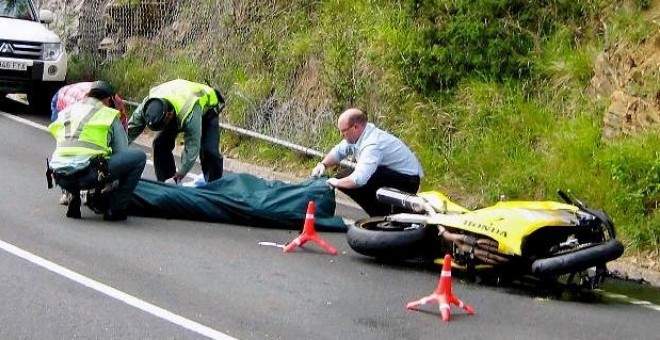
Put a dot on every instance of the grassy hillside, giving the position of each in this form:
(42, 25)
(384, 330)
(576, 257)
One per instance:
(492, 95)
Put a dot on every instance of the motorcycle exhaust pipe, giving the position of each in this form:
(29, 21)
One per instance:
(407, 218)
(483, 249)
(401, 199)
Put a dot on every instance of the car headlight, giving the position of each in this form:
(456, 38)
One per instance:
(52, 51)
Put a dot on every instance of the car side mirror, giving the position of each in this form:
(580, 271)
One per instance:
(46, 16)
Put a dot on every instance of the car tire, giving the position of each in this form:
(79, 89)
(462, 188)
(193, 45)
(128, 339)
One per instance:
(40, 96)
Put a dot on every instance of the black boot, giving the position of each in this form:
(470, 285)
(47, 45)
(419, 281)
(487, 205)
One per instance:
(115, 215)
(73, 211)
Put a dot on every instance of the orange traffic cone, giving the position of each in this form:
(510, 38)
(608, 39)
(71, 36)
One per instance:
(309, 234)
(442, 294)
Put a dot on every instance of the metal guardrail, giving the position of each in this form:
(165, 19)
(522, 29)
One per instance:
(295, 147)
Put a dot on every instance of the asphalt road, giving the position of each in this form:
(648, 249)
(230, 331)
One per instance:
(170, 279)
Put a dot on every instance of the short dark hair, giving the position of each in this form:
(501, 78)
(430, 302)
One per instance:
(101, 90)
(155, 110)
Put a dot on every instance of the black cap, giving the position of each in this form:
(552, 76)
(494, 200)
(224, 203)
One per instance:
(101, 89)
(155, 110)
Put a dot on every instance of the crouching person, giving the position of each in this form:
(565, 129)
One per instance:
(90, 136)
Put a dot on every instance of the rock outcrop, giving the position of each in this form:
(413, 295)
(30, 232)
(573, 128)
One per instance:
(105, 25)
(629, 77)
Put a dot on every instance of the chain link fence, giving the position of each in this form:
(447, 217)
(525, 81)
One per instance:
(205, 34)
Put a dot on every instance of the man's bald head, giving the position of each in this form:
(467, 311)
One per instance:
(351, 123)
(352, 117)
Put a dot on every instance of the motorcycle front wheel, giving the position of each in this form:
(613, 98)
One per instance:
(579, 260)
(376, 237)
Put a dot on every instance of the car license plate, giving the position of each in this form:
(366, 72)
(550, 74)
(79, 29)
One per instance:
(13, 65)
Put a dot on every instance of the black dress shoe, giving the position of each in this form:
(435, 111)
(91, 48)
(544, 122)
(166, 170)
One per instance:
(73, 211)
(115, 215)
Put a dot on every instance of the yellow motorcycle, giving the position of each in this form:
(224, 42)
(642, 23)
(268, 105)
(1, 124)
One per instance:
(546, 240)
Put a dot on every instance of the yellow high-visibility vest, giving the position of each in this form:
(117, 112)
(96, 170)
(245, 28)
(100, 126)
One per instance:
(183, 95)
(83, 129)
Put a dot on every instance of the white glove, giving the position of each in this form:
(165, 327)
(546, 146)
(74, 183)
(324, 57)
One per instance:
(318, 170)
(171, 181)
(332, 182)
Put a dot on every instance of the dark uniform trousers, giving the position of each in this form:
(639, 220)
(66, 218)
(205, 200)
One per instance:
(365, 196)
(209, 153)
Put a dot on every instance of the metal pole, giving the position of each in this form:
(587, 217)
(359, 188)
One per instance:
(299, 148)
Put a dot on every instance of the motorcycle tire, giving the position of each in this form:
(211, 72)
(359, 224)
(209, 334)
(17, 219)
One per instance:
(578, 260)
(380, 239)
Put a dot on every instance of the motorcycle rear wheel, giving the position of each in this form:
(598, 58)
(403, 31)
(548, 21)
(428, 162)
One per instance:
(376, 237)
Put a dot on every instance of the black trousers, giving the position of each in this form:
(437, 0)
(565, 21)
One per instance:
(365, 196)
(209, 153)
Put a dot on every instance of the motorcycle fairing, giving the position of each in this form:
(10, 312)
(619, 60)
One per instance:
(509, 223)
(439, 201)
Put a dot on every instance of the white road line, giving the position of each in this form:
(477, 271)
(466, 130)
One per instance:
(23, 121)
(653, 307)
(617, 296)
(632, 301)
(641, 303)
(114, 293)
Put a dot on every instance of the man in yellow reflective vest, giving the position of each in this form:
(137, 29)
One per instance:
(89, 133)
(181, 106)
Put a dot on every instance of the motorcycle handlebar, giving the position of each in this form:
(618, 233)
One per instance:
(564, 196)
(571, 200)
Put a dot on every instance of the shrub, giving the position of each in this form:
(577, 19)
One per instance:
(494, 39)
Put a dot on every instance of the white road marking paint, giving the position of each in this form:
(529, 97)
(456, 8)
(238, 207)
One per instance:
(271, 244)
(632, 301)
(114, 293)
(643, 303)
(616, 296)
(23, 121)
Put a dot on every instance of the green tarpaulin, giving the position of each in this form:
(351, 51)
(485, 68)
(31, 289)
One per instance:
(240, 199)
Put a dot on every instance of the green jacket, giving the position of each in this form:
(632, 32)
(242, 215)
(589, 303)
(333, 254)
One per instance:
(190, 101)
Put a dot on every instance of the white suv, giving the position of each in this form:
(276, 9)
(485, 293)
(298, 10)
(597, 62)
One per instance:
(32, 59)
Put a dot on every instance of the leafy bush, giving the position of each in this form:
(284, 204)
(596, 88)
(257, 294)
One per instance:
(494, 39)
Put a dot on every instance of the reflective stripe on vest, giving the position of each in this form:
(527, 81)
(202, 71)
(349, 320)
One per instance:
(83, 129)
(183, 95)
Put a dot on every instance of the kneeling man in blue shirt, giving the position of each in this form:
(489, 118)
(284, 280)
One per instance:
(383, 160)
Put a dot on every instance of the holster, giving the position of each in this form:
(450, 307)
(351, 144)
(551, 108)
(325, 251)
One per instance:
(100, 164)
(49, 174)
